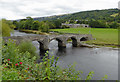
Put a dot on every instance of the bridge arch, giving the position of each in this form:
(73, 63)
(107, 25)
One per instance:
(84, 39)
(74, 41)
(60, 42)
(41, 47)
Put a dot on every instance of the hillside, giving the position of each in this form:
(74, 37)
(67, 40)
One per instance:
(106, 14)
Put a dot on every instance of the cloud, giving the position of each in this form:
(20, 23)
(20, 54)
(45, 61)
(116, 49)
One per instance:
(17, 9)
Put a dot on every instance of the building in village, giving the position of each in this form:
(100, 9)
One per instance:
(75, 25)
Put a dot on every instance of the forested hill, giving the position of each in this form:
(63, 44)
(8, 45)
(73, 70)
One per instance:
(107, 14)
(108, 18)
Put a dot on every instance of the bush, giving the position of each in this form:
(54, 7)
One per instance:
(10, 74)
(64, 26)
(5, 29)
(27, 46)
(10, 52)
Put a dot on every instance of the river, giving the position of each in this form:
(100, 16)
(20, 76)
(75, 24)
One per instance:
(103, 61)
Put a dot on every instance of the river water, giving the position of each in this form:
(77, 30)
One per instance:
(103, 61)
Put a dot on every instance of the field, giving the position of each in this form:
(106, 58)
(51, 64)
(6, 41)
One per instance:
(102, 36)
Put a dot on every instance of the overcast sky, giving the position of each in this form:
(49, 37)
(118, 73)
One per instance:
(18, 9)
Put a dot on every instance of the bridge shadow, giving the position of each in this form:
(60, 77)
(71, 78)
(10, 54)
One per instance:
(61, 51)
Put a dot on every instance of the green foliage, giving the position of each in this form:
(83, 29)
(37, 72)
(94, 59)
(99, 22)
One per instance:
(64, 26)
(105, 77)
(9, 23)
(25, 68)
(27, 46)
(90, 75)
(57, 23)
(44, 27)
(67, 22)
(51, 25)
(21, 24)
(36, 25)
(4, 31)
(30, 24)
(10, 52)
(10, 74)
(114, 25)
(98, 24)
(7, 27)
(102, 19)
(85, 15)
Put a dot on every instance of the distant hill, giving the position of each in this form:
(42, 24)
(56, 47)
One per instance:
(51, 17)
(105, 14)
(94, 14)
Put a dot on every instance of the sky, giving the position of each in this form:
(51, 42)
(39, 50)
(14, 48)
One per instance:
(19, 9)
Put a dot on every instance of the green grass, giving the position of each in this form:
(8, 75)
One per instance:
(102, 35)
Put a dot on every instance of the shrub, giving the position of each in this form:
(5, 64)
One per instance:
(27, 46)
(7, 27)
(10, 52)
(64, 26)
(10, 74)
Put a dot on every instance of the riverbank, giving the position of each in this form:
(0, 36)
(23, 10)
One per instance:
(34, 32)
(102, 36)
(98, 46)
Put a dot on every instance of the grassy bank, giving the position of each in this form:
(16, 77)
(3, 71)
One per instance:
(34, 32)
(102, 36)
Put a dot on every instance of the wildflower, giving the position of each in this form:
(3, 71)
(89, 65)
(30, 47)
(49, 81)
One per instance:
(8, 59)
(5, 67)
(20, 63)
(16, 64)
(28, 68)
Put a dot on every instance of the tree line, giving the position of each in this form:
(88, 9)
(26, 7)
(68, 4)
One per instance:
(31, 24)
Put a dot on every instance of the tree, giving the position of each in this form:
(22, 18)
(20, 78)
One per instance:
(114, 25)
(51, 25)
(44, 26)
(16, 24)
(36, 25)
(21, 24)
(57, 23)
(98, 24)
(29, 22)
(5, 28)
(11, 25)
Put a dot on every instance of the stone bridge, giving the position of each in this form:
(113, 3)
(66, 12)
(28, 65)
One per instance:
(44, 40)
